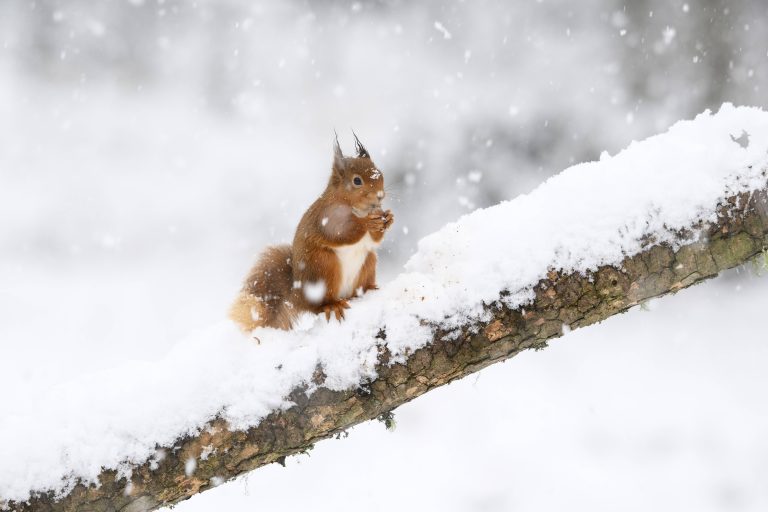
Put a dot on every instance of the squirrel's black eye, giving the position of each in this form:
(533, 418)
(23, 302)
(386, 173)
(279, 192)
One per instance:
(357, 180)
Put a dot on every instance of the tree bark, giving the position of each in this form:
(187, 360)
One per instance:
(561, 301)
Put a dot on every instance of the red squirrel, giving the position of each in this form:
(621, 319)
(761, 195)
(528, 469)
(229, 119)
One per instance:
(332, 258)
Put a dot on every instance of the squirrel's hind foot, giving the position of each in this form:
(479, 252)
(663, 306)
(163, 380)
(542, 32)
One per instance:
(337, 308)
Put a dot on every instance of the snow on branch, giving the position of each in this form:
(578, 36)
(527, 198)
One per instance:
(591, 242)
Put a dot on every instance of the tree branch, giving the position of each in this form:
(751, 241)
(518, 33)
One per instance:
(561, 301)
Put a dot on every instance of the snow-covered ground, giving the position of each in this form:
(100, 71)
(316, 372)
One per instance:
(101, 422)
(149, 149)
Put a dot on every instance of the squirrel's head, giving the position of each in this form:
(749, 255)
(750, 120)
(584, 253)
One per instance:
(356, 180)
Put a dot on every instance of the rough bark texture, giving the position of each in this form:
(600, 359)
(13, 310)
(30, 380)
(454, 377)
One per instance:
(740, 233)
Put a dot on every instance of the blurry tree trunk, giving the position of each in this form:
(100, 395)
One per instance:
(698, 55)
(716, 20)
(220, 61)
(562, 301)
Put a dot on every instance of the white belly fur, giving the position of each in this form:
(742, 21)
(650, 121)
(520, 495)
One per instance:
(351, 259)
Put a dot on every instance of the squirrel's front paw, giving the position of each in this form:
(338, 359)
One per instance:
(337, 308)
(389, 218)
(380, 221)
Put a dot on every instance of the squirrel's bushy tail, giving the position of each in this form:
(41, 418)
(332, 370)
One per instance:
(266, 297)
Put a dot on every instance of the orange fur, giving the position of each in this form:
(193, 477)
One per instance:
(367, 277)
(288, 280)
(266, 298)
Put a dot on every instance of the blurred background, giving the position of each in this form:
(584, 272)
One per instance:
(150, 148)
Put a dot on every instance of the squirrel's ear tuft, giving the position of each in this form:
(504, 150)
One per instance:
(338, 156)
(361, 151)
